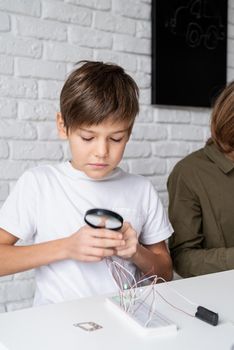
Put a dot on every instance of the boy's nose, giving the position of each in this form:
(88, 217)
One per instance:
(101, 149)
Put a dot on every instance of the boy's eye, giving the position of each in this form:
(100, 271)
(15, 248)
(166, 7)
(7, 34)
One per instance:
(116, 140)
(86, 138)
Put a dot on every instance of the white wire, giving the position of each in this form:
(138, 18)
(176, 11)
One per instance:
(178, 293)
(132, 294)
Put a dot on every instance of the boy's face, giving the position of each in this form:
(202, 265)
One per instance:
(96, 150)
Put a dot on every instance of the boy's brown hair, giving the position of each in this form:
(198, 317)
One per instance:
(222, 120)
(96, 91)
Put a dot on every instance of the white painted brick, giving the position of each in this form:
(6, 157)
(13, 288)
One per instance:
(143, 80)
(186, 132)
(98, 4)
(15, 46)
(6, 65)
(127, 61)
(132, 8)
(28, 7)
(231, 44)
(194, 146)
(37, 28)
(230, 74)
(149, 132)
(111, 23)
(4, 152)
(124, 165)
(170, 149)
(35, 110)
(66, 52)
(136, 149)
(127, 43)
(35, 150)
(145, 96)
(66, 150)
(11, 170)
(12, 184)
(171, 162)
(159, 182)
(89, 37)
(17, 130)
(8, 108)
(22, 304)
(47, 131)
(144, 64)
(27, 67)
(206, 132)
(201, 117)
(70, 68)
(163, 115)
(4, 22)
(230, 19)
(231, 31)
(66, 13)
(2, 308)
(17, 290)
(15, 87)
(145, 115)
(49, 89)
(230, 58)
(143, 29)
(4, 191)
(150, 166)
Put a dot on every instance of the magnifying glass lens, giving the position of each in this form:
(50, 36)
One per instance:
(103, 218)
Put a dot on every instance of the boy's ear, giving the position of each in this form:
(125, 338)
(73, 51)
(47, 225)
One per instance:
(62, 131)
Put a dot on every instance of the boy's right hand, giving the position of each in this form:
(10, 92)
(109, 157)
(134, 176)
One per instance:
(90, 244)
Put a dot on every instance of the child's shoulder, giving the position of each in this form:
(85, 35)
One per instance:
(40, 171)
(135, 179)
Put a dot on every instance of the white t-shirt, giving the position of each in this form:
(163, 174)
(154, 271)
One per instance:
(49, 202)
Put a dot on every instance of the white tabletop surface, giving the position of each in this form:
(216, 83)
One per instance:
(52, 327)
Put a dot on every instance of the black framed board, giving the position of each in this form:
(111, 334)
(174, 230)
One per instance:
(189, 51)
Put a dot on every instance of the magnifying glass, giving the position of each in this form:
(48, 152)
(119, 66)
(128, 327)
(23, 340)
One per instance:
(103, 218)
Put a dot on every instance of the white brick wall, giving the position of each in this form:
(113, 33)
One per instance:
(40, 40)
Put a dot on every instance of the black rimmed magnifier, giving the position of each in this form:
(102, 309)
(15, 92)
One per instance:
(103, 218)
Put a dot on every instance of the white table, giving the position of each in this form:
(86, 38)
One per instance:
(51, 327)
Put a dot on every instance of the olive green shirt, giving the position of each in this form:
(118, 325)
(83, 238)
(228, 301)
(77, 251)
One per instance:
(201, 210)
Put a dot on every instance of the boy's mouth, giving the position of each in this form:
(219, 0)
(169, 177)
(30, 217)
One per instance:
(98, 165)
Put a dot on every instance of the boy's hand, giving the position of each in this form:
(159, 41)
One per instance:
(90, 244)
(131, 242)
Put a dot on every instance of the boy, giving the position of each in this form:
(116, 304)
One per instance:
(98, 104)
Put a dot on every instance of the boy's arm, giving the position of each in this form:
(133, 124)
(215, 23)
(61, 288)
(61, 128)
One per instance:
(154, 260)
(15, 259)
(150, 259)
(87, 244)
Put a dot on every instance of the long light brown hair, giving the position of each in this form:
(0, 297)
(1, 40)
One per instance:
(222, 120)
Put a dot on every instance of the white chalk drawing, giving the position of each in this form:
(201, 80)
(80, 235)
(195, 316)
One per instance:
(198, 24)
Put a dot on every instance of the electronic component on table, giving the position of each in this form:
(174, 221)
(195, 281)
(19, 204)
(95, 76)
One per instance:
(142, 317)
(206, 315)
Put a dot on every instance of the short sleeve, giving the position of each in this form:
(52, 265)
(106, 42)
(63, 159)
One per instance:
(157, 227)
(18, 213)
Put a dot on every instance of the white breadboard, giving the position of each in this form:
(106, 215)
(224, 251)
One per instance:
(142, 317)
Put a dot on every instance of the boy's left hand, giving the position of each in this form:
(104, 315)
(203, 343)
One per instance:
(131, 242)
